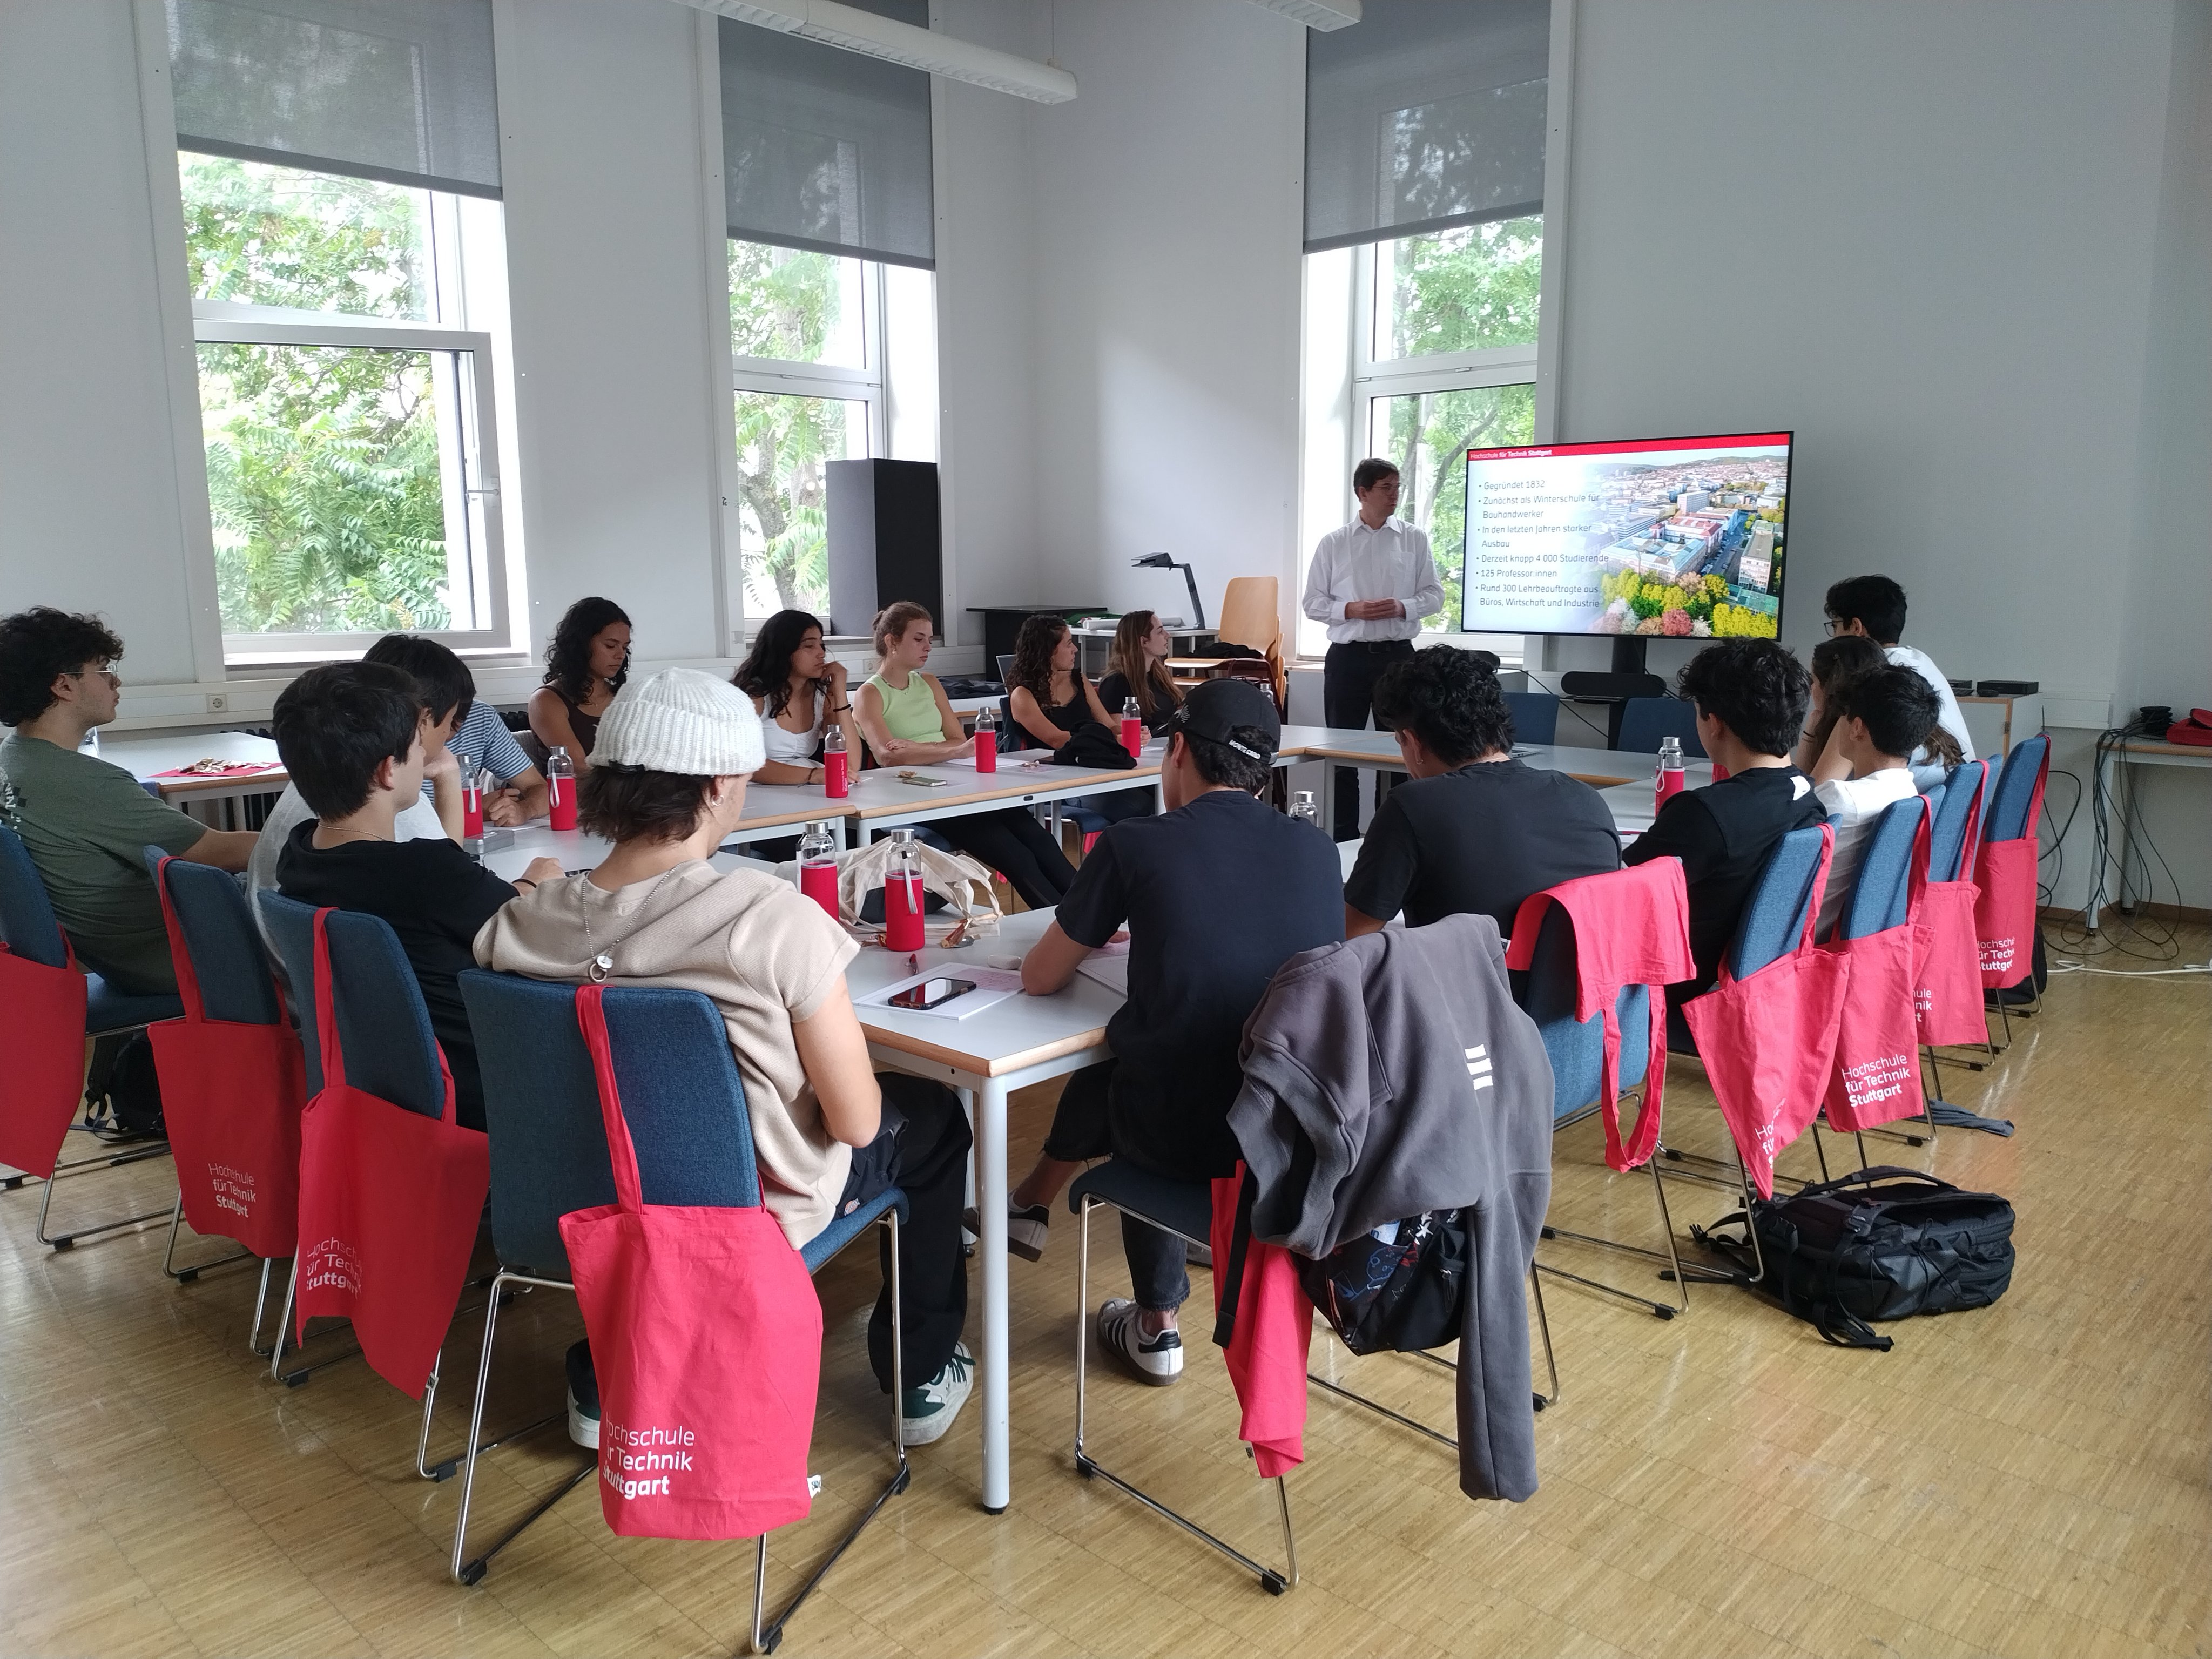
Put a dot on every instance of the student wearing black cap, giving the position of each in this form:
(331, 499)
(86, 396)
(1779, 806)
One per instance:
(1217, 893)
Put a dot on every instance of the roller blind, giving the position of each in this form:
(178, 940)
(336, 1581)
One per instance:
(399, 90)
(1423, 116)
(827, 150)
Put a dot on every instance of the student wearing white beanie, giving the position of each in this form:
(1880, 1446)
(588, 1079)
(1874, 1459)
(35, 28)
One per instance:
(666, 786)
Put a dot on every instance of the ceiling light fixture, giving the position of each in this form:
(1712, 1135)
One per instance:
(850, 29)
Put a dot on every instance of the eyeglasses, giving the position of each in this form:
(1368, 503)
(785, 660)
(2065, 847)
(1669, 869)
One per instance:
(103, 671)
(1832, 627)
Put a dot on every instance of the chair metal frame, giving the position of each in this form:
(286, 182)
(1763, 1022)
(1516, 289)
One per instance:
(1274, 1582)
(766, 1634)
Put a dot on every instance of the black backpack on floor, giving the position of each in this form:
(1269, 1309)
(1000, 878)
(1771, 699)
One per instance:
(1878, 1244)
(123, 1092)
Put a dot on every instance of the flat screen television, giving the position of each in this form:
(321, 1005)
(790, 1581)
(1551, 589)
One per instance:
(1636, 539)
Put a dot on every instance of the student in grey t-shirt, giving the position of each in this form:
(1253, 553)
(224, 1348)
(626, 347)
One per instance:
(85, 822)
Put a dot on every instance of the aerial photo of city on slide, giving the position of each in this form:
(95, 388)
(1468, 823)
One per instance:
(1678, 538)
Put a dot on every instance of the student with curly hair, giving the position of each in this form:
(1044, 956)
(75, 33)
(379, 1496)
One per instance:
(585, 666)
(1751, 698)
(84, 821)
(1048, 694)
(1475, 830)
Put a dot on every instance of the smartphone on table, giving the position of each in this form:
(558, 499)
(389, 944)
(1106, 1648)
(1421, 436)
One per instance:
(931, 993)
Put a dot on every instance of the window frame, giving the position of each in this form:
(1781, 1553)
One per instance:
(867, 385)
(473, 451)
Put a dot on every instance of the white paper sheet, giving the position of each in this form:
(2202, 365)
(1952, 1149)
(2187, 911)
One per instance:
(993, 986)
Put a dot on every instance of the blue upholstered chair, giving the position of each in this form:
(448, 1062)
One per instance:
(1949, 858)
(1536, 715)
(685, 1104)
(236, 986)
(28, 928)
(385, 1030)
(1547, 994)
(1645, 720)
(2011, 797)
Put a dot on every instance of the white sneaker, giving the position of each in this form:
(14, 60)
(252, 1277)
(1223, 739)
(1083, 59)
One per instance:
(1157, 1359)
(1026, 1230)
(927, 1410)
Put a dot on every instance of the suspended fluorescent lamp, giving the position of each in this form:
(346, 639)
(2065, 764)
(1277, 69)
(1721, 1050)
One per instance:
(1316, 14)
(850, 29)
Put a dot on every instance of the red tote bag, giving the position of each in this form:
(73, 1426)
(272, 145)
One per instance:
(1768, 1041)
(42, 1078)
(1947, 982)
(231, 1095)
(706, 1337)
(1631, 927)
(1876, 1076)
(2004, 915)
(389, 1203)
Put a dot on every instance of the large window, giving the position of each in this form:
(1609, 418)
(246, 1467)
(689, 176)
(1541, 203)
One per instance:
(813, 367)
(346, 406)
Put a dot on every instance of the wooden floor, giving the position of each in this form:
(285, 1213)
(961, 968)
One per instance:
(2029, 1480)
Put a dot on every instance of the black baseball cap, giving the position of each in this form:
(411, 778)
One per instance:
(1214, 709)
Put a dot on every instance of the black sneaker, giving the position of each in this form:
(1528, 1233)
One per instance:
(1158, 1359)
(583, 1397)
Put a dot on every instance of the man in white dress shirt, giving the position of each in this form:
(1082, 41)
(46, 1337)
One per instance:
(1372, 582)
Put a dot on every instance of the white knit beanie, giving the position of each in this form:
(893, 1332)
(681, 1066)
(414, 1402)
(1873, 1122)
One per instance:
(681, 721)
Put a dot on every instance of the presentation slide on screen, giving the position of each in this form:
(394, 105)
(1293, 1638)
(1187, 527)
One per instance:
(1676, 538)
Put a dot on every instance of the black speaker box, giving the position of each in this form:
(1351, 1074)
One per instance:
(885, 540)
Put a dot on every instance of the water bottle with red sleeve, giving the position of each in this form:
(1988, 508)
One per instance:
(902, 895)
(561, 788)
(837, 774)
(986, 741)
(817, 866)
(472, 788)
(1133, 728)
(1670, 771)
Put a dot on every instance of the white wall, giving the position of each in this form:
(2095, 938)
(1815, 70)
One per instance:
(608, 266)
(89, 511)
(1169, 216)
(986, 333)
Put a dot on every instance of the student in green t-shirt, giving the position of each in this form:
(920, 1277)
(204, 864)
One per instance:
(86, 823)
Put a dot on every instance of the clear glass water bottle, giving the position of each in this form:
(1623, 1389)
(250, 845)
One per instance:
(837, 764)
(561, 788)
(1304, 809)
(1670, 771)
(902, 895)
(817, 866)
(987, 740)
(1133, 728)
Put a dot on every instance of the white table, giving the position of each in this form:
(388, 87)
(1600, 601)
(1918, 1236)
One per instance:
(880, 801)
(2131, 752)
(1372, 751)
(986, 1057)
(145, 758)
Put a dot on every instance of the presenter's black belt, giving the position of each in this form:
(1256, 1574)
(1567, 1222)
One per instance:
(1388, 648)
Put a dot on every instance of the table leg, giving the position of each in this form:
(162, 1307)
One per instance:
(1328, 797)
(990, 1202)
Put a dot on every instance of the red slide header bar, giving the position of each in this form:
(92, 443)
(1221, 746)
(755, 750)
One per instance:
(1651, 447)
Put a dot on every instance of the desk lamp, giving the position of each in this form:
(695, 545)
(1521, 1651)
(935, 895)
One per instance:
(1162, 562)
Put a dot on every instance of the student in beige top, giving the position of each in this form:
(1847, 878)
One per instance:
(672, 757)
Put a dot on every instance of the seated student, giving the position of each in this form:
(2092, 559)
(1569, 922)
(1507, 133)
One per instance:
(1882, 717)
(674, 752)
(908, 721)
(1475, 829)
(472, 731)
(1136, 666)
(1875, 606)
(1751, 698)
(445, 685)
(1836, 663)
(351, 737)
(585, 663)
(1217, 892)
(1050, 699)
(797, 689)
(85, 822)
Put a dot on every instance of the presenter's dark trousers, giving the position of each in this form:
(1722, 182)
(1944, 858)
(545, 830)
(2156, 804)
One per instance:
(1348, 701)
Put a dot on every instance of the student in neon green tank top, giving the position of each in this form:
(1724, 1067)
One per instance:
(908, 721)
